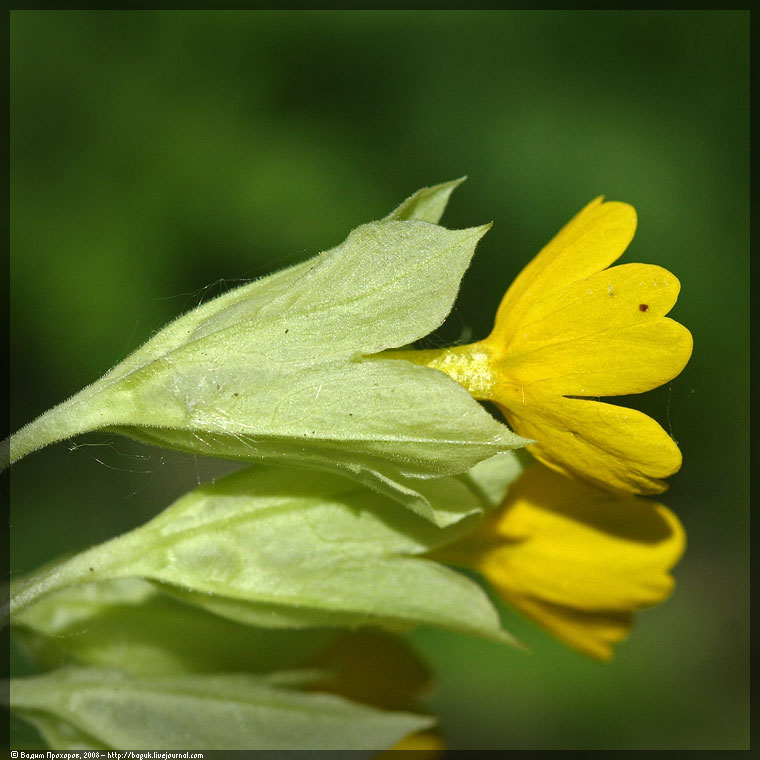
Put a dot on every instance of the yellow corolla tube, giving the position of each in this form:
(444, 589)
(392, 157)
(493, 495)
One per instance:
(573, 557)
(570, 330)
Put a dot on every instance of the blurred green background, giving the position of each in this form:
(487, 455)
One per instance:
(159, 158)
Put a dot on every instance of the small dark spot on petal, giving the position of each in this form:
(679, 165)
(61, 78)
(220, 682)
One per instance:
(643, 306)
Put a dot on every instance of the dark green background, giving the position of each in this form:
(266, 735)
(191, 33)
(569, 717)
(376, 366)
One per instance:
(159, 158)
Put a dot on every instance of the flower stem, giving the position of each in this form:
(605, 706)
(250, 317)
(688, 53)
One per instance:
(83, 413)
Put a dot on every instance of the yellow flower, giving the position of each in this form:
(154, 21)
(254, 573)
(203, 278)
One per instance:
(380, 669)
(428, 745)
(569, 330)
(374, 667)
(575, 558)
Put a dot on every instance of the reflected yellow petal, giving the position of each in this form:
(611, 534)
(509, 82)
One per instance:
(591, 241)
(614, 447)
(574, 558)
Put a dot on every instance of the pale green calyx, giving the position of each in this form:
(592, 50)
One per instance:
(115, 624)
(283, 369)
(94, 708)
(286, 548)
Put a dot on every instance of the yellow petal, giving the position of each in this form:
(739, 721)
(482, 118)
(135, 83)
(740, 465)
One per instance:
(576, 559)
(614, 447)
(429, 745)
(588, 243)
(592, 633)
(573, 544)
(603, 336)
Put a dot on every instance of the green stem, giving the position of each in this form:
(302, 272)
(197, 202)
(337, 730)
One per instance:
(83, 413)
